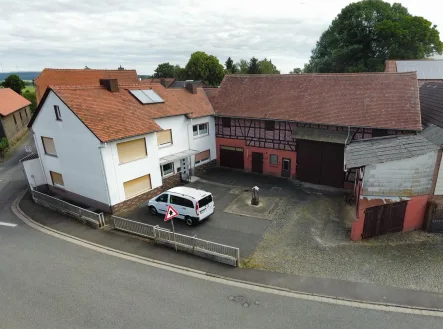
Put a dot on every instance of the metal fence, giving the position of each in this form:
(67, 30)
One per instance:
(203, 248)
(64, 207)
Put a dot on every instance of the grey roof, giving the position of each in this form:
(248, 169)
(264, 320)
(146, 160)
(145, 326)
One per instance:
(431, 103)
(383, 149)
(29, 157)
(426, 69)
(321, 135)
(182, 84)
(433, 134)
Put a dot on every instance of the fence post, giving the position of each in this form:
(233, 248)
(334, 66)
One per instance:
(238, 257)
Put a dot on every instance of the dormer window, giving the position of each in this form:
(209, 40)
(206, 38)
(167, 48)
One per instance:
(58, 116)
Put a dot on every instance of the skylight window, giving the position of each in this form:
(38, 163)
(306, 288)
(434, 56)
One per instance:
(148, 96)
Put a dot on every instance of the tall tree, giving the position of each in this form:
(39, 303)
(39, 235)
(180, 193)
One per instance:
(367, 33)
(164, 70)
(180, 73)
(297, 70)
(230, 66)
(242, 66)
(267, 67)
(14, 82)
(253, 67)
(202, 66)
(30, 96)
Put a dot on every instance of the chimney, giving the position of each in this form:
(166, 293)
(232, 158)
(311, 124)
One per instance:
(192, 88)
(163, 82)
(110, 84)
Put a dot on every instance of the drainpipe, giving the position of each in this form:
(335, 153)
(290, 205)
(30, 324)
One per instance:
(104, 173)
(189, 143)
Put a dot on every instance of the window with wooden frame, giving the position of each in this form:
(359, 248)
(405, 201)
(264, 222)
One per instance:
(137, 186)
(132, 150)
(226, 122)
(58, 115)
(49, 146)
(270, 125)
(202, 156)
(57, 179)
(164, 137)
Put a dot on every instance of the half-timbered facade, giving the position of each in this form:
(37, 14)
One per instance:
(297, 126)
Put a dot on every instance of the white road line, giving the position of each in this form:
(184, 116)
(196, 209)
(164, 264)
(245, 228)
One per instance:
(8, 224)
(222, 280)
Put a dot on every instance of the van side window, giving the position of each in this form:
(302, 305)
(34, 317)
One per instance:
(188, 203)
(177, 200)
(162, 198)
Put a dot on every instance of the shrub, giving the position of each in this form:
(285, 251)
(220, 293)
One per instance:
(3, 144)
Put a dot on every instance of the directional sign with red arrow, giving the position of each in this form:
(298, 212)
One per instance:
(170, 213)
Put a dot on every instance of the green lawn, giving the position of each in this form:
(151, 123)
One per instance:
(30, 88)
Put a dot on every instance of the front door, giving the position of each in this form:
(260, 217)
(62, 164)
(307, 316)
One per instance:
(257, 162)
(286, 167)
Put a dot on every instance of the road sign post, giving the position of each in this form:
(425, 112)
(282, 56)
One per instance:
(170, 214)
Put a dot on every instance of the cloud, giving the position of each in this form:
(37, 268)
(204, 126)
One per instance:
(141, 34)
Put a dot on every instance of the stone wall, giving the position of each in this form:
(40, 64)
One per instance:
(15, 129)
(204, 167)
(168, 183)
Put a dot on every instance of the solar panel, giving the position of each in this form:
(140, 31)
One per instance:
(141, 96)
(154, 96)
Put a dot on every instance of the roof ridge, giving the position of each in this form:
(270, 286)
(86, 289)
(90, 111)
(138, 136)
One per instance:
(315, 74)
(55, 69)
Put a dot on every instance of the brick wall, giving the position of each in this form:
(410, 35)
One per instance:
(12, 130)
(168, 183)
(204, 167)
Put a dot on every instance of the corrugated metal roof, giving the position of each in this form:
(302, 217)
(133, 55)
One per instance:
(383, 149)
(433, 134)
(431, 103)
(321, 135)
(429, 69)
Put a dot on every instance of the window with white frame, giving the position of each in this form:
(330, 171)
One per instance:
(167, 169)
(202, 156)
(200, 130)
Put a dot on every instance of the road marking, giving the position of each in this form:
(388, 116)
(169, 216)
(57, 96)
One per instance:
(221, 280)
(8, 224)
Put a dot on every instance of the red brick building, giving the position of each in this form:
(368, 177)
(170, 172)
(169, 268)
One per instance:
(297, 126)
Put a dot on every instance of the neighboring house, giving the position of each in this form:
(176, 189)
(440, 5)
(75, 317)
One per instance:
(113, 146)
(73, 77)
(394, 180)
(166, 82)
(182, 84)
(296, 126)
(15, 114)
(428, 70)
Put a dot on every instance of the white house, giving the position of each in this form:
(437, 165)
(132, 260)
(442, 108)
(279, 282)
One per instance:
(112, 146)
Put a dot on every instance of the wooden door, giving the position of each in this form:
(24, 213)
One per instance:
(308, 161)
(257, 162)
(286, 167)
(231, 157)
(384, 219)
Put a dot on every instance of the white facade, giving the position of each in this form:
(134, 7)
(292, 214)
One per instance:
(33, 172)
(439, 183)
(92, 169)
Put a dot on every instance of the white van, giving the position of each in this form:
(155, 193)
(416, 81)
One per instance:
(192, 205)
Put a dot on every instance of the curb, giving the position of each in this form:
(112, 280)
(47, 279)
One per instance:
(218, 278)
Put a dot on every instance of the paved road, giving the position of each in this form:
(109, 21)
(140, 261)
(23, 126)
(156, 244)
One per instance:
(50, 283)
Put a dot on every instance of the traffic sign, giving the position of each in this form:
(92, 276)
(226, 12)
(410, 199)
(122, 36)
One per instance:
(170, 213)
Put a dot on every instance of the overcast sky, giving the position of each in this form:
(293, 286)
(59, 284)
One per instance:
(139, 34)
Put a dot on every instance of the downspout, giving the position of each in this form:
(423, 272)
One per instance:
(104, 173)
(39, 157)
(189, 147)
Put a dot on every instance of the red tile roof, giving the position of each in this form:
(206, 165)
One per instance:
(10, 101)
(117, 115)
(379, 100)
(74, 77)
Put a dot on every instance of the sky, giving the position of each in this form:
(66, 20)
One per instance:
(140, 34)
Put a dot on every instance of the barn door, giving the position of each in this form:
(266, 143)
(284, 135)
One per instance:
(384, 219)
(257, 162)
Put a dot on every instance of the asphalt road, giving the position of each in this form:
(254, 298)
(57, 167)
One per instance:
(46, 282)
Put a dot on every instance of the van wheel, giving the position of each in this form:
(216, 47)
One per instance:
(189, 221)
(153, 210)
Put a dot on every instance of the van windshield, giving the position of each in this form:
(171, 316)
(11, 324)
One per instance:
(205, 201)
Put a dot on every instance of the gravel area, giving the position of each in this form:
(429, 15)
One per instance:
(311, 237)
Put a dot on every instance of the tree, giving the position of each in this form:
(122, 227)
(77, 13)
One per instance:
(297, 70)
(14, 82)
(367, 33)
(164, 70)
(180, 73)
(30, 96)
(202, 66)
(242, 66)
(230, 66)
(253, 67)
(266, 67)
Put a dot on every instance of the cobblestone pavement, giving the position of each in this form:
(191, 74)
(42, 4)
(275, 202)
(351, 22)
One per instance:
(311, 238)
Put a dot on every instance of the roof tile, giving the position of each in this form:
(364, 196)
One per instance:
(10, 101)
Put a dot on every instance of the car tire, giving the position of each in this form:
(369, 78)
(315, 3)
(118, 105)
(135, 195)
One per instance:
(153, 210)
(189, 221)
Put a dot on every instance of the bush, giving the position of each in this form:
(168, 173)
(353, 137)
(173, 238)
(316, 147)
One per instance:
(3, 145)
(30, 96)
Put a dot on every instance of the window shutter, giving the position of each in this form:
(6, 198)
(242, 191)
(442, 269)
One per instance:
(137, 186)
(132, 150)
(202, 155)
(164, 137)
